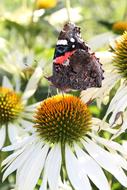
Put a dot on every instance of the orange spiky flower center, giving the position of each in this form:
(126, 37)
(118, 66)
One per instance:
(10, 105)
(62, 118)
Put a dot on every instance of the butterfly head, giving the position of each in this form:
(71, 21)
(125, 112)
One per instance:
(69, 40)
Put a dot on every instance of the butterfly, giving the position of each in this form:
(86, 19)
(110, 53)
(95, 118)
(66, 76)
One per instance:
(75, 67)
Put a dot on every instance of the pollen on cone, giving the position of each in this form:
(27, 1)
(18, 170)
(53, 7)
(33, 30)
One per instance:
(120, 55)
(10, 105)
(62, 118)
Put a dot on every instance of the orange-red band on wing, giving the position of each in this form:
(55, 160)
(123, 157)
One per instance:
(63, 58)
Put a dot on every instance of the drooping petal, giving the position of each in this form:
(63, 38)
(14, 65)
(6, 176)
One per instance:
(19, 144)
(106, 160)
(109, 144)
(92, 169)
(17, 163)
(28, 174)
(77, 178)
(121, 92)
(118, 103)
(120, 160)
(103, 125)
(2, 136)
(123, 127)
(92, 93)
(12, 157)
(119, 107)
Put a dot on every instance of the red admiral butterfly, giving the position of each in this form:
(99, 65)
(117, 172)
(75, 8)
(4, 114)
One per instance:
(74, 66)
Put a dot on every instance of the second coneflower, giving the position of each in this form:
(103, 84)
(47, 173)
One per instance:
(14, 111)
(64, 147)
(115, 66)
(119, 27)
(119, 101)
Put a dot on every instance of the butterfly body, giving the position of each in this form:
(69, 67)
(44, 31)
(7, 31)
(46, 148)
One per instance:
(74, 66)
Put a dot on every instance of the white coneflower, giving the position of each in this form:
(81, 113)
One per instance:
(115, 70)
(119, 102)
(64, 147)
(14, 110)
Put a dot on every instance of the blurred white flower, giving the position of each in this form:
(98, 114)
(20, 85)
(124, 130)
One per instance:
(22, 15)
(14, 111)
(15, 62)
(64, 144)
(60, 17)
(100, 41)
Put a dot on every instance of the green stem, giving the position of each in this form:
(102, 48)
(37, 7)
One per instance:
(3, 155)
(68, 7)
(24, 3)
(33, 9)
(64, 172)
(7, 141)
(125, 12)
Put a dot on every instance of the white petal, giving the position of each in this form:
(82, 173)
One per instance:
(44, 182)
(105, 57)
(77, 178)
(32, 107)
(18, 161)
(2, 136)
(27, 116)
(92, 169)
(13, 132)
(18, 145)
(122, 129)
(121, 92)
(106, 160)
(103, 125)
(92, 93)
(118, 103)
(27, 125)
(120, 160)
(6, 83)
(119, 107)
(32, 84)
(12, 157)
(18, 83)
(28, 174)
(53, 165)
(109, 144)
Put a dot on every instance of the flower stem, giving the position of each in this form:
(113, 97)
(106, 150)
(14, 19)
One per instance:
(68, 7)
(64, 172)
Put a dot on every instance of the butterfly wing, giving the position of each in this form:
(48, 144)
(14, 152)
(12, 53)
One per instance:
(74, 67)
(86, 71)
